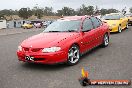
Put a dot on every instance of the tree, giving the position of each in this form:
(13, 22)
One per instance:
(25, 13)
(107, 11)
(90, 10)
(103, 11)
(66, 11)
(96, 11)
(130, 10)
(85, 10)
(48, 11)
(112, 10)
(37, 12)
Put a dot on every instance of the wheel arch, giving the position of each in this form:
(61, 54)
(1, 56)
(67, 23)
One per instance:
(75, 43)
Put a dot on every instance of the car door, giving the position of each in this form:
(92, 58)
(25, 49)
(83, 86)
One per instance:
(97, 30)
(87, 35)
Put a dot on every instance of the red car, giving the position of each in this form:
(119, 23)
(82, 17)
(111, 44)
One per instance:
(65, 40)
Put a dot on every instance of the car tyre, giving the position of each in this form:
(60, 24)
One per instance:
(73, 55)
(105, 40)
(127, 26)
(119, 29)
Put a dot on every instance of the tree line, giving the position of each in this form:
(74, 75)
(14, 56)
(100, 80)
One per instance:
(25, 13)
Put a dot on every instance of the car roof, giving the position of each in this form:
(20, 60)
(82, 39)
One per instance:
(114, 14)
(74, 17)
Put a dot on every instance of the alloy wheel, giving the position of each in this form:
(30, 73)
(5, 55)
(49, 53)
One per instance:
(73, 55)
(119, 29)
(106, 40)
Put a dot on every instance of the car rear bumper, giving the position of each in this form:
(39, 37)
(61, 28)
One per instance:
(44, 58)
(130, 22)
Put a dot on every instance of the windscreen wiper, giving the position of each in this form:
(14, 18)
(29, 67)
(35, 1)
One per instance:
(71, 30)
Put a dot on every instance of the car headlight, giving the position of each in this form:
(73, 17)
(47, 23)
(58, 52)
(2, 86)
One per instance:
(51, 49)
(19, 48)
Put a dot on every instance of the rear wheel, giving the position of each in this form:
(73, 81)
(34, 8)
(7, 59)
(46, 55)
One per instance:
(73, 55)
(105, 40)
(127, 26)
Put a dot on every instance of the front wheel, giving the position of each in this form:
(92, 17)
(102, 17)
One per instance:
(105, 40)
(73, 55)
(119, 29)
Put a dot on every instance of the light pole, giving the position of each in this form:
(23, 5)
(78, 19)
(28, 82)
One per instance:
(37, 10)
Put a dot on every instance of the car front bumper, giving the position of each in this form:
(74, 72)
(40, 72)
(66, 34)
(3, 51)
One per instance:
(113, 28)
(44, 58)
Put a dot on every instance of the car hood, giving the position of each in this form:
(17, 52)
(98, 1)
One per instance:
(110, 22)
(130, 18)
(47, 39)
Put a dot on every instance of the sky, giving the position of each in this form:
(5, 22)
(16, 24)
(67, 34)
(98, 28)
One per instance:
(58, 4)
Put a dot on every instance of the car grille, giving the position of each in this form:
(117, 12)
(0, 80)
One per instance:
(35, 49)
(26, 49)
(31, 49)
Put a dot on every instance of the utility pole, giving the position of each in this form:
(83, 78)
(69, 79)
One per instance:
(37, 10)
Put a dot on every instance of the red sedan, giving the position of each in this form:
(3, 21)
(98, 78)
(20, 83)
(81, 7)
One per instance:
(65, 40)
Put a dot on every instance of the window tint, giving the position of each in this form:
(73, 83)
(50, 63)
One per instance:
(95, 22)
(87, 25)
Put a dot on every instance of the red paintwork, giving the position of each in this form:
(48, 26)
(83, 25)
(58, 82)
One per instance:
(85, 40)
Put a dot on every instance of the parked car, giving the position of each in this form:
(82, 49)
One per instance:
(129, 18)
(116, 21)
(47, 23)
(27, 25)
(64, 41)
(37, 25)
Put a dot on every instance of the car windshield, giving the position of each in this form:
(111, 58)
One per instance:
(111, 17)
(129, 15)
(64, 26)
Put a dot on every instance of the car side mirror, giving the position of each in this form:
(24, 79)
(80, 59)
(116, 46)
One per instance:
(121, 18)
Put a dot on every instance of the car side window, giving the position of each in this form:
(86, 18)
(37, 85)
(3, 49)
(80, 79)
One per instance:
(96, 22)
(100, 22)
(87, 25)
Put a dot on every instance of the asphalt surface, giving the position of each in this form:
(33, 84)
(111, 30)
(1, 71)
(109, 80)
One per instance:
(112, 62)
(17, 31)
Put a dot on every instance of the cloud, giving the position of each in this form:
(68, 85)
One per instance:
(58, 4)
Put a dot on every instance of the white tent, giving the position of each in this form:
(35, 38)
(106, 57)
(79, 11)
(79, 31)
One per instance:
(2, 24)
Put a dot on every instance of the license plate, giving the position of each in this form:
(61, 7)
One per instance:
(29, 58)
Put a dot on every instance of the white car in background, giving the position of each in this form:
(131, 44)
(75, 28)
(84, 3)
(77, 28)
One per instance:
(37, 25)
